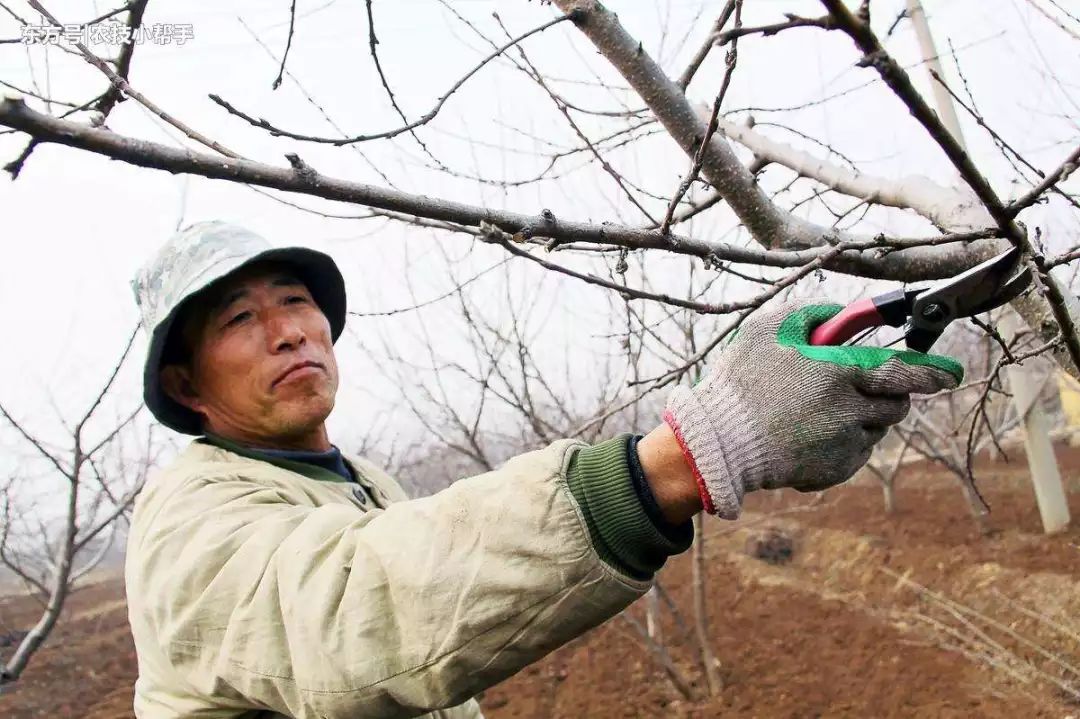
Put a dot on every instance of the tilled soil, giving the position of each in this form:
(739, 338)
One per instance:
(89, 656)
(836, 632)
(857, 624)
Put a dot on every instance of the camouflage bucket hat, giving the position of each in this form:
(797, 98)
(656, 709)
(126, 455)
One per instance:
(192, 260)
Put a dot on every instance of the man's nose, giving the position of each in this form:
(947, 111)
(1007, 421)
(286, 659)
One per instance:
(285, 332)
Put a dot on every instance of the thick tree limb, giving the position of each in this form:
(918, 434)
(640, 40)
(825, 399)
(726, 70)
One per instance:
(903, 259)
(946, 207)
(769, 225)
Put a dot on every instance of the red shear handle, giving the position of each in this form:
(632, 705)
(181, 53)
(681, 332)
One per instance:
(853, 319)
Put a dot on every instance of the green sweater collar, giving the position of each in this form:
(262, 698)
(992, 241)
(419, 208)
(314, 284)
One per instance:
(311, 471)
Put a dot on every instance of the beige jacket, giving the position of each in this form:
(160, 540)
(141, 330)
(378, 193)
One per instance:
(256, 591)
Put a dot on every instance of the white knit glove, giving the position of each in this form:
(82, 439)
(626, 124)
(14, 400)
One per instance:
(774, 411)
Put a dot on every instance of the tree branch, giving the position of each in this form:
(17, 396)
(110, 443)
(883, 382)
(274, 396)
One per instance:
(288, 46)
(1059, 174)
(113, 95)
(710, 127)
(386, 134)
(108, 383)
(122, 85)
(825, 23)
(710, 42)
(946, 207)
(902, 259)
(771, 226)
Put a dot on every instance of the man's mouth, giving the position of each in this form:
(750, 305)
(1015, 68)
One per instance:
(298, 370)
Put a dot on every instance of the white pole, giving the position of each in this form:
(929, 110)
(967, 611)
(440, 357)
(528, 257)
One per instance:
(945, 107)
(1045, 477)
(1049, 492)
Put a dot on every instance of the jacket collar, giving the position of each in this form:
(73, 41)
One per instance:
(311, 471)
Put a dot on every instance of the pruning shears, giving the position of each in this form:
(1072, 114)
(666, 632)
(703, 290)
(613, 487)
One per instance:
(926, 311)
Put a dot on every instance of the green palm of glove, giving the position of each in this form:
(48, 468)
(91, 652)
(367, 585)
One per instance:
(775, 411)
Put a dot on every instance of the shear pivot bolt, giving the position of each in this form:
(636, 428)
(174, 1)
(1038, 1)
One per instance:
(933, 312)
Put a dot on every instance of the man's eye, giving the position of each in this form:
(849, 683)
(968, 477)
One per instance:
(237, 319)
(293, 299)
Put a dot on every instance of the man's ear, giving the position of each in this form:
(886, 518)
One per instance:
(176, 381)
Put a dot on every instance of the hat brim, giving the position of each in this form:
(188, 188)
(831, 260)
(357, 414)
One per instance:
(318, 272)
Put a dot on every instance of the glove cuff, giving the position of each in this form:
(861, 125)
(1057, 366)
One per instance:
(719, 483)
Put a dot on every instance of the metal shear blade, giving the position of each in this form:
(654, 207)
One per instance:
(925, 311)
(979, 289)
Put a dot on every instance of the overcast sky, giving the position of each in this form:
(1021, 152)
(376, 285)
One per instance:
(76, 226)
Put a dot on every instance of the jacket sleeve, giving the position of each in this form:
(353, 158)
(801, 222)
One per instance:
(323, 611)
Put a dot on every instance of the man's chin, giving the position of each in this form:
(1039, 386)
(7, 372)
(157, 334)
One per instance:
(300, 416)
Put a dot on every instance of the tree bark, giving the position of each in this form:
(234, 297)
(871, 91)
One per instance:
(888, 492)
(701, 612)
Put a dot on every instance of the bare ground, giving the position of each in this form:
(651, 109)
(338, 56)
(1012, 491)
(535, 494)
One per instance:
(845, 629)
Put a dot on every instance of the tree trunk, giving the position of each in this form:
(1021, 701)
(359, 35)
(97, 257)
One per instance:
(888, 492)
(975, 506)
(652, 616)
(701, 618)
(58, 592)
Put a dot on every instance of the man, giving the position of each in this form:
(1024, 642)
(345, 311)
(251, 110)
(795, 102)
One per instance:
(269, 575)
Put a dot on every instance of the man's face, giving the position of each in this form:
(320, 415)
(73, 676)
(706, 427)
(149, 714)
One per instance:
(262, 367)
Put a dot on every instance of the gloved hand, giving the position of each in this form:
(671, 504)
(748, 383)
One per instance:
(774, 411)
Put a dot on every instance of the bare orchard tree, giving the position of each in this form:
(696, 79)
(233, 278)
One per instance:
(754, 208)
(488, 374)
(973, 218)
(101, 471)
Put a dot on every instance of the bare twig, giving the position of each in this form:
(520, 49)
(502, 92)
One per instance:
(703, 52)
(386, 134)
(114, 94)
(710, 128)
(825, 23)
(1058, 174)
(288, 45)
